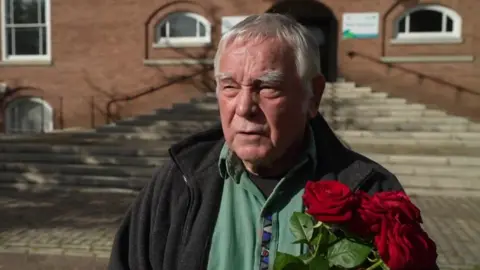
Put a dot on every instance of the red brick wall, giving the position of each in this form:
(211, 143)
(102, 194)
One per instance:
(98, 50)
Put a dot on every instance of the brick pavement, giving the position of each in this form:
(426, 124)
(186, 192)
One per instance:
(61, 227)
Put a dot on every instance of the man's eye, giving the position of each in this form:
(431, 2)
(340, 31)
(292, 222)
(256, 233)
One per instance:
(229, 87)
(268, 90)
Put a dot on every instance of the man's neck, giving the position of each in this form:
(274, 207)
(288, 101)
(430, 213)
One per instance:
(281, 166)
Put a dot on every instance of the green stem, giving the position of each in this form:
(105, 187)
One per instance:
(375, 265)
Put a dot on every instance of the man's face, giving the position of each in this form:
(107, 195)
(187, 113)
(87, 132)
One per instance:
(263, 108)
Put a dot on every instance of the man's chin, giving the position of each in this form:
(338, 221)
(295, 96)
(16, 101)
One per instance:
(252, 156)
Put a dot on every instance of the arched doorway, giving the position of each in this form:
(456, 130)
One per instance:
(28, 115)
(319, 19)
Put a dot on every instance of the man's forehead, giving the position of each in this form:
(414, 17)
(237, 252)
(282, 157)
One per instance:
(256, 60)
(269, 48)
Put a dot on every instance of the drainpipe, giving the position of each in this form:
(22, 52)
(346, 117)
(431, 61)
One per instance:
(384, 23)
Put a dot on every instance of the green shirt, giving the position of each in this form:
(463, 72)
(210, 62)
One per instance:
(237, 237)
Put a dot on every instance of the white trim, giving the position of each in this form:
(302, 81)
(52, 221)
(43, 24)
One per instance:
(26, 62)
(177, 62)
(45, 106)
(415, 37)
(414, 41)
(26, 58)
(179, 42)
(429, 59)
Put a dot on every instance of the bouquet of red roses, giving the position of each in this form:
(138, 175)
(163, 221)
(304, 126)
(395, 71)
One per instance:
(353, 230)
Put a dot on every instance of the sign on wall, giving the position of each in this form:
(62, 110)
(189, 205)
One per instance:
(230, 21)
(361, 25)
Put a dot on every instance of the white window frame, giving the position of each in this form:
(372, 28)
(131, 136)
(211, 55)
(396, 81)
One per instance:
(12, 108)
(430, 37)
(162, 42)
(26, 58)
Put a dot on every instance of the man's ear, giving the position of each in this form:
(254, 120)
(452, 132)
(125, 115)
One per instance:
(318, 87)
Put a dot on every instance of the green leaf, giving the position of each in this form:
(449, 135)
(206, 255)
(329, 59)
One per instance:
(301, 226)
(348, 254)
(318, 246)
(321, 236)
(319, 263)
(284, 261)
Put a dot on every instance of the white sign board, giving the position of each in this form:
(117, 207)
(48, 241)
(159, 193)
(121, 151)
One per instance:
(230, 21)
(361, 25)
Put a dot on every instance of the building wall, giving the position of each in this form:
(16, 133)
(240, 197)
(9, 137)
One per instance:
(103, 49)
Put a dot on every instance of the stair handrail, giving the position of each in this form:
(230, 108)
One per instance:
(421, 75)
(151, 90)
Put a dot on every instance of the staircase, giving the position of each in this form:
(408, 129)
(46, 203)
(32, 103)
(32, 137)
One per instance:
(428, 150)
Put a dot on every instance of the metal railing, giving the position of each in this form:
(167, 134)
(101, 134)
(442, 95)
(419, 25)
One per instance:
(419, 75)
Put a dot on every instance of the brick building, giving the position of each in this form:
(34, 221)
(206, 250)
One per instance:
(63, 61)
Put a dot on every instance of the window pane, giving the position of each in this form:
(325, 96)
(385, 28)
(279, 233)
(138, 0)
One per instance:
(25, 11)
(202, 30)
(27, 41)
(42, 11)
(9, 41)
(426, 21)
(43, 38)
(401, 26)
(182, 26)
(449, 24)
(8, 11)
(162, 32)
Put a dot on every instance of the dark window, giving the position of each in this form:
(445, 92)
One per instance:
(426, 21)
(402, 26)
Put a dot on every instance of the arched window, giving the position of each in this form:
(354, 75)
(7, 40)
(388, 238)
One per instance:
(28, 115)
(182, 29)
(429, 22)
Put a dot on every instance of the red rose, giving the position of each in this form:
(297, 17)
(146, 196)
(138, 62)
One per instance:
(405, 246)
(329, 201)
(364, 222)
(394, 204)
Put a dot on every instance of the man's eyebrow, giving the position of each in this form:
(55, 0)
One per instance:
(224, 76)
(273, 76)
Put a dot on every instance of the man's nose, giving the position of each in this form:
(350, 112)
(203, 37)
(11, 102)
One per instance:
(247, 103)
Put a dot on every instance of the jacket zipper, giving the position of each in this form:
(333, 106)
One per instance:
(187, 218)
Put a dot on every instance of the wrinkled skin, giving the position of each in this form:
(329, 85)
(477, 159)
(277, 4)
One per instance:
(263, 107)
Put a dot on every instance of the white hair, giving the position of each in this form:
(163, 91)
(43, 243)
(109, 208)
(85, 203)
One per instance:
(286, 29)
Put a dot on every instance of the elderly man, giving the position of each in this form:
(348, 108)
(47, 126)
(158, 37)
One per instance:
(207, 207)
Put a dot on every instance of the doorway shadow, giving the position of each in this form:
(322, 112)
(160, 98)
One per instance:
(321, 20)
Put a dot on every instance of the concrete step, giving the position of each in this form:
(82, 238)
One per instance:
(434, 148)
(455, 136)
(46, 180)
(77, 169)
(154, 150)
(435, 171)
(178, 122)
(85, 159)
(425, 160)
(439, 183)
